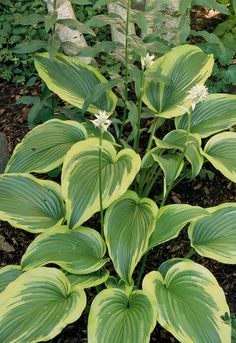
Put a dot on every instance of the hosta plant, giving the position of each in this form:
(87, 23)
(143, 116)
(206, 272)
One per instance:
(103, 172)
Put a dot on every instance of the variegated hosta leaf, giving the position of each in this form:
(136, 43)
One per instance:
(215, 236)
(29, 203)
(94, 131)
(177, 139)
(128, 225)
(220, 151)
(215, 114)
(8, 274)
(118, 318)
(190, 303)
(38, 305)
(89, 280)
(44, 148)
(171, 219)
(78, 251)
(177, 72)
(73, 81)
(80, 178)
(171, 165)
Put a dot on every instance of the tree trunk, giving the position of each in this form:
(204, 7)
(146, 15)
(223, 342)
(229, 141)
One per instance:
(170, 20)
(118, 36)
(65, 11)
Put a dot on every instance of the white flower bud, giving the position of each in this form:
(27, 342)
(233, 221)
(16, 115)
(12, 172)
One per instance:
(147, 61)
(198, 93)
(102, 121)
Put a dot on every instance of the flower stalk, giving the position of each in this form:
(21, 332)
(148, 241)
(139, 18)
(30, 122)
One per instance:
(126, 65)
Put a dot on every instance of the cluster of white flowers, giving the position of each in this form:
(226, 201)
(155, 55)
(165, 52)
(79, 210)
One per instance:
(147, 61)
(102, 121)
(198, 93)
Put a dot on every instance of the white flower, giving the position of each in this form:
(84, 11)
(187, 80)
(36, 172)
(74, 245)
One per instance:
(102, 121)
(147, 61)
(198, 93)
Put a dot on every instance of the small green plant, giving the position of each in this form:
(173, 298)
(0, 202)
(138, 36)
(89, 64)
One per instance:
(103, 173)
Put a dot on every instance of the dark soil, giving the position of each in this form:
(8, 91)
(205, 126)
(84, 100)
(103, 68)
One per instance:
(205, 193)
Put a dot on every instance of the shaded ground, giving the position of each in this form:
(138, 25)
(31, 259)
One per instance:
(206, 193)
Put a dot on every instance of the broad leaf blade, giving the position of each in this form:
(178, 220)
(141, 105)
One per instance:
(29, 203)
(216, 114)
(220, 151)
(185, 66)
(190, 302)
(89, 280)
(177, 139)
(215, 236)
(73, 80)
(38, 305)
(171, 219)
(115, 317)
(128, 224)
(44, 148)
(171, 165)
(78, 251)
(80, 178)
(8, 274)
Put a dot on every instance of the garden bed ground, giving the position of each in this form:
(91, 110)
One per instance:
(206, 193)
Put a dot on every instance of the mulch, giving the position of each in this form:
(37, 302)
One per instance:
(206, 193)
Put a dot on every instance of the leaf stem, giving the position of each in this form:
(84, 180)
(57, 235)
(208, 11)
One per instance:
(190, 253)
(100, 181)
(137, 137)
(179, 164)
(154, 127)
(126, 65)
(141, 271)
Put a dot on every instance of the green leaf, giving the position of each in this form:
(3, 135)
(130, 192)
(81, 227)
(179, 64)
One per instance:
(190, 302)
(75, 24)
(78, 251)
(38, 305)
(102, 20)
(89, 280)
(177, 139)
(8, 274)
(171, 219)
(30, 204)
(128, 225)
(30, 19)
(220, 151)
(216, 114)
(169, 163)
(43, 149)
(80, 178)
(211, 4)
(210, 38)
(29, 47)
(185, 66)
(50, 21)
(53, 46)
(230, 75)
(117, 317)
(215, 236)
(73, 81)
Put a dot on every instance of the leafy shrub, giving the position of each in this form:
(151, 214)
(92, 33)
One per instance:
(101, 171)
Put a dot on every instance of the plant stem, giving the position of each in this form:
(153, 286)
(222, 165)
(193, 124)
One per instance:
(145, 172)
(154, 176)
(179, 164)
(190, 253)
(126, 65)
(136, 140)
(141, 271)
(152, 135)
(100, 181)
